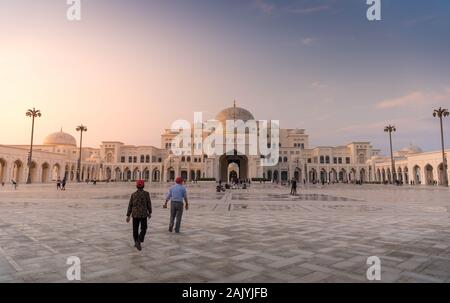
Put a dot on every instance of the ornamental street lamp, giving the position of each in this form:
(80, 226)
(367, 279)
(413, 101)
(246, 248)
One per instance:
(33, 113)
(81, 128)
(441, 113)
(389, 129)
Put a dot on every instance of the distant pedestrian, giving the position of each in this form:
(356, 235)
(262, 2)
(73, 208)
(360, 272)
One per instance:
(14, 184)
(63, 183)
(58, 184)
(140, 208)
(294, 187)
(177, 194)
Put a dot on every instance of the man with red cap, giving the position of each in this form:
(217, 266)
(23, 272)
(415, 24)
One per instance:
(140, 208)
(176, 195)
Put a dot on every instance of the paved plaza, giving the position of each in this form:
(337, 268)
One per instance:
(259, 234)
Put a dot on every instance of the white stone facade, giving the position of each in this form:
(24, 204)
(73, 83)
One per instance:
(115, 161)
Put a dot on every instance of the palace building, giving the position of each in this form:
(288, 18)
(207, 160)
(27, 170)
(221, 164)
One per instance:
(115, 161)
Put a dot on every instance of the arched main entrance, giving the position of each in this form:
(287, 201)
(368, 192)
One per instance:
(242, 166)
(233, 172)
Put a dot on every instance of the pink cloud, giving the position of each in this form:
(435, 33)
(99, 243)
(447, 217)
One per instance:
(310, 10)
(309, 41)
(416, 98)
(265, 6)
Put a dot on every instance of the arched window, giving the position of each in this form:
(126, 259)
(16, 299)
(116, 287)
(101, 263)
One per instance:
(285, 159)
(188, 159)
(322, 160)
(327, 159)
(147, 159)
(183, 159)
(142, 158)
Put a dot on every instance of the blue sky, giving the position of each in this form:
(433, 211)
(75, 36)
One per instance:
(318, 65)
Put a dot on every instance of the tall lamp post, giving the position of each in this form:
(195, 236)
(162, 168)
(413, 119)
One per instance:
(390, 129)
(33, 113)
(441, 113)
(81, 128)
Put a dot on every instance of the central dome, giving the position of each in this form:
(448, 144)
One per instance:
(60, 138)
(234, 113)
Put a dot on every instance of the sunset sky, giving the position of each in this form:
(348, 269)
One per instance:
(130, 68)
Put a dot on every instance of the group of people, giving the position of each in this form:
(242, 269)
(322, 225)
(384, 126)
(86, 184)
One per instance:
(61, 184)
(234, 184)
(94, 181)
(140, 209)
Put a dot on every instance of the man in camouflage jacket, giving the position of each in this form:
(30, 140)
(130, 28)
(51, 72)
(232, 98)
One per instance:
(140, 208)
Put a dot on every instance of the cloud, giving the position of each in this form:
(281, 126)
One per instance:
(269, 7)
(309, 10)
(416, 98)
(364, 128)
(264, 6)
(403, 125)
(309, 41)
(318, 84)
(419, 20)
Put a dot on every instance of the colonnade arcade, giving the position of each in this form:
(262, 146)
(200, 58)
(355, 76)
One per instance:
(316, 174)
(417, 174)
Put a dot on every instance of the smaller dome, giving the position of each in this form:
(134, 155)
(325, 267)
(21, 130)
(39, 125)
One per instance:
(60, 138)
(412, 149)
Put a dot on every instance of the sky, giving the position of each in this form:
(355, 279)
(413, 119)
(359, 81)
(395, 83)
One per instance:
(130, 68)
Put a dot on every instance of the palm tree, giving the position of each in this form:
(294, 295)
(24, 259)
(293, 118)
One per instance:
(441, 113)
(389, 129)
(33, 113)
(81, 128)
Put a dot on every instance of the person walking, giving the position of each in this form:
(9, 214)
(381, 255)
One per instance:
(14, 184)
(63, 184)
(177, 193)
(140, 208)
(294, 187)
(58, 184)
